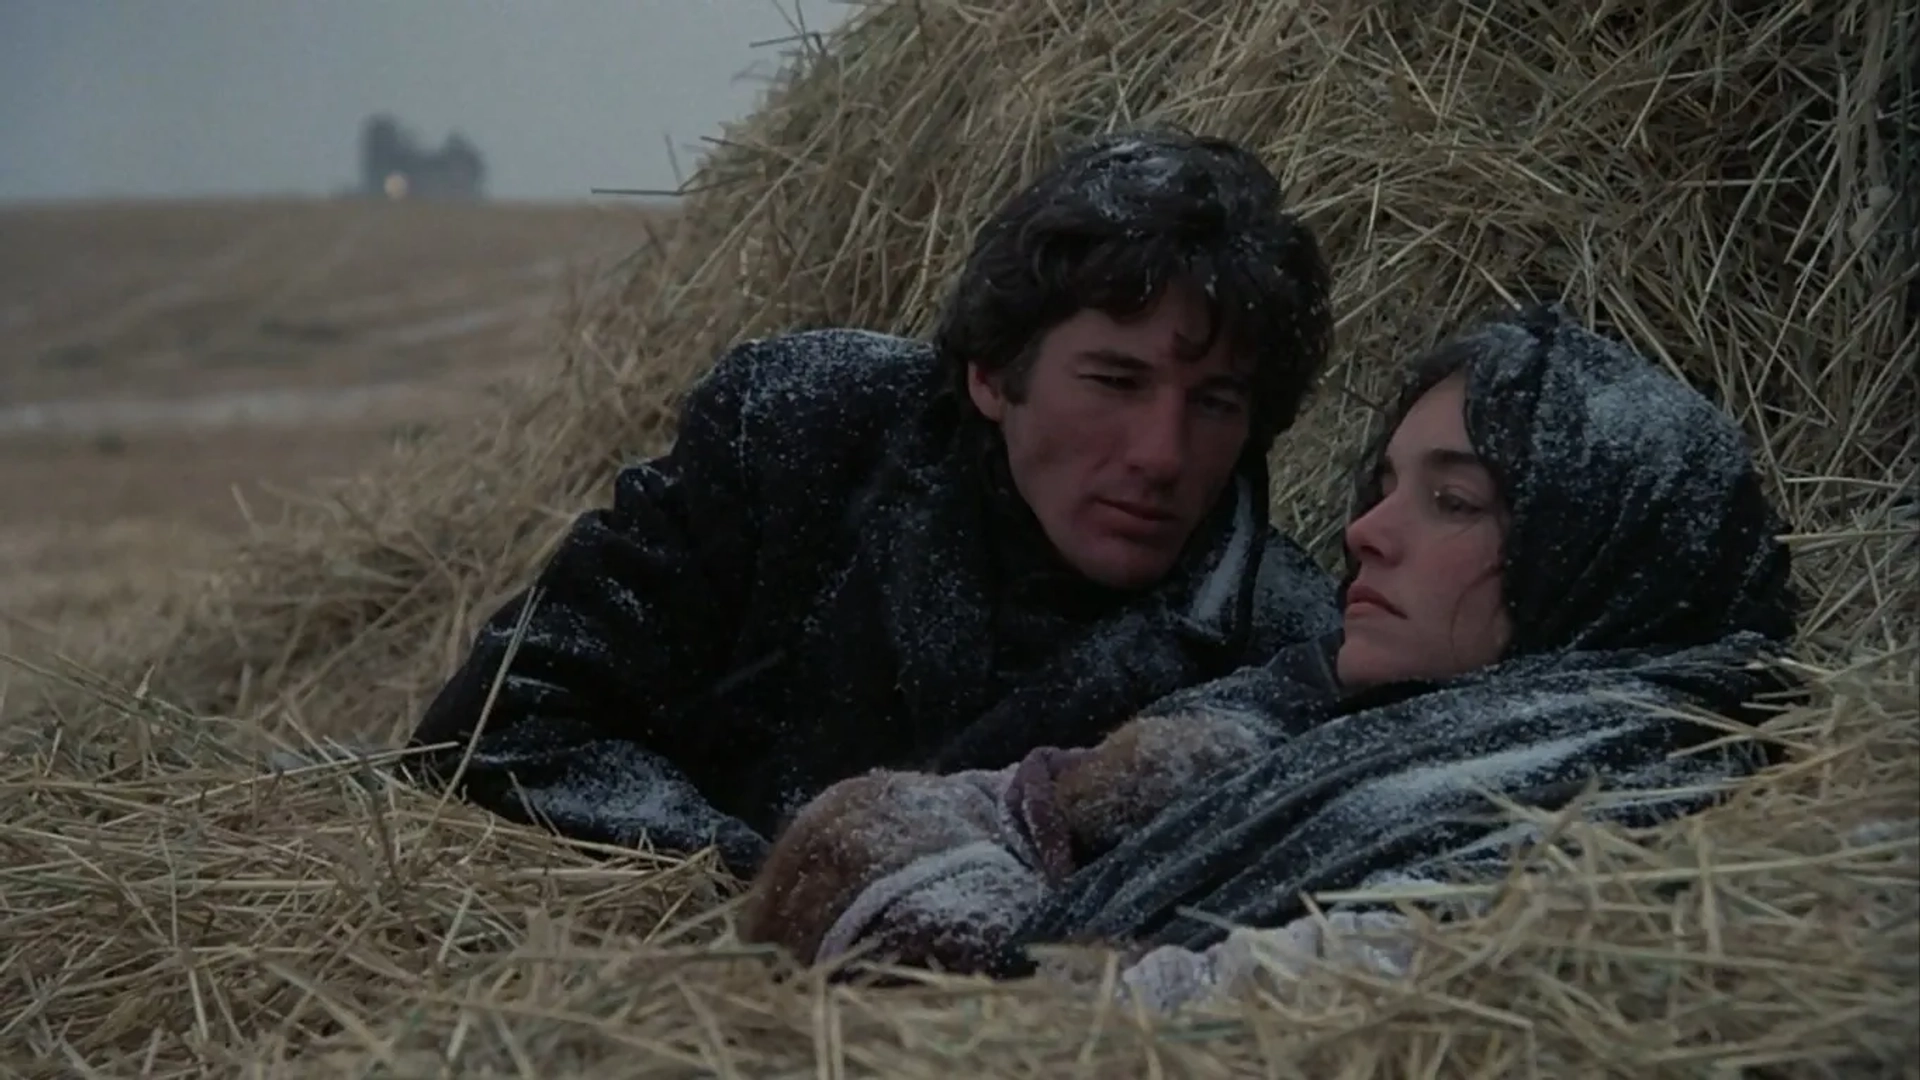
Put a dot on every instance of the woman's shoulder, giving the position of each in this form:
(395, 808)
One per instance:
(1292, 691)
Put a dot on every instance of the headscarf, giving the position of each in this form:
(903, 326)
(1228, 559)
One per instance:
(1638, 518)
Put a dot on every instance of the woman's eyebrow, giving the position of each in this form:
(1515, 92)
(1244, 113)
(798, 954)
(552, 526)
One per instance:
(1447, 458)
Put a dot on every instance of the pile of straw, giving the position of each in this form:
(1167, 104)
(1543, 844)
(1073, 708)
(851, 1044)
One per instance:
(1727, 183)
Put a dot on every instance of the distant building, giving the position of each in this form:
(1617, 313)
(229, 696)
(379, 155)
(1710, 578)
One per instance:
(394, 166)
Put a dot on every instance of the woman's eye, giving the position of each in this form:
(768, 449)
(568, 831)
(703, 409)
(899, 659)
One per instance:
(1450, 503)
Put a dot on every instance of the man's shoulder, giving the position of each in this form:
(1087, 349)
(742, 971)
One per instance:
(840, 372)
(815, 409)
(1295, 598)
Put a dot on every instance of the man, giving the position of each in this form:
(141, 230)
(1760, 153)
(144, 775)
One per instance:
(867, 551)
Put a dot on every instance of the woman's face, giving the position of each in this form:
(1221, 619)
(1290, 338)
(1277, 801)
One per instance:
(1426, 602)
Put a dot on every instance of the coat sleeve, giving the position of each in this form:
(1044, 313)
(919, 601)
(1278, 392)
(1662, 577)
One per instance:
(635, 612)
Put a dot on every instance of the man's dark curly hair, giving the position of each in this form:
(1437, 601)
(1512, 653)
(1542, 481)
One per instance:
(1116, 221)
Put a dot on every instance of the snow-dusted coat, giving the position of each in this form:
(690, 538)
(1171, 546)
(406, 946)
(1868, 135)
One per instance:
(830, 571)
(1644, 577)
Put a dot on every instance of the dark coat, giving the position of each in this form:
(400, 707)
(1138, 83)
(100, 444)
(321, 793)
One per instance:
(830, 572)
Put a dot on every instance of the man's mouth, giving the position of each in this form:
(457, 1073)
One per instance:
(1140, 522)
(1143, 511)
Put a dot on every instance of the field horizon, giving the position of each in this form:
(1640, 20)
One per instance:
(173, 368)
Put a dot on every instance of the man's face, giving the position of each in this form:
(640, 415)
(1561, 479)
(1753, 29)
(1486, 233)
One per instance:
(1124, 439)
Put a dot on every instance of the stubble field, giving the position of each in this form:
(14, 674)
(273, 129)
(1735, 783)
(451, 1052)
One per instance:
(167, 370)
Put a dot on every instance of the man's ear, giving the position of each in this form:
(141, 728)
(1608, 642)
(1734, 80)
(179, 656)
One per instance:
(984, 389)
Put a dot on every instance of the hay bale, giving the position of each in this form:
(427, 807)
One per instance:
(1710, 179)
(1719, 181)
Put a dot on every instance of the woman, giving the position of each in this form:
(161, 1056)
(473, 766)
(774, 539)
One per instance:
(1550, 536)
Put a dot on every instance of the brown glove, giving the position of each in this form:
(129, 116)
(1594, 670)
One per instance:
(1140, 770)
(849, 836)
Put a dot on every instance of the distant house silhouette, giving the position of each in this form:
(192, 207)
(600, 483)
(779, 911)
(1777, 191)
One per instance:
(394, 166)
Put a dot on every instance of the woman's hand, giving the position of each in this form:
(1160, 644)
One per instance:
(1142, 768)
(851, 835)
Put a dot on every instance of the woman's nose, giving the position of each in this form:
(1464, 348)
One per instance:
(1373, 532)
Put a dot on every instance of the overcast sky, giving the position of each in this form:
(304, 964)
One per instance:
(203, 97)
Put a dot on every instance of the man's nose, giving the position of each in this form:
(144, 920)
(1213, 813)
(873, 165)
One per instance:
(1158, 447)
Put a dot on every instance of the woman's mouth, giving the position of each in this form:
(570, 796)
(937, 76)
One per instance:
(1363, 596)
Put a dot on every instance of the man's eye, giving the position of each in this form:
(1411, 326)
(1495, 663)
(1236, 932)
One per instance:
(1225, 406)
(1116, 382)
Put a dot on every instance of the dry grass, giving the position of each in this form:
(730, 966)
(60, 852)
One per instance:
(166, 367)
(1719, 181)
(168, 299)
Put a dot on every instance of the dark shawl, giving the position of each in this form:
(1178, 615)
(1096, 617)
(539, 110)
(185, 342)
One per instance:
(1643, 575)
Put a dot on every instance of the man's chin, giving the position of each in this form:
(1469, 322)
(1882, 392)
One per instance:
(1120, 565)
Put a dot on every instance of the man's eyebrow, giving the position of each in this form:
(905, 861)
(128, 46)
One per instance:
(1116, 358)
(1236, 383)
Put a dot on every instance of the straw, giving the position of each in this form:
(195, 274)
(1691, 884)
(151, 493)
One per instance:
(1727, 184)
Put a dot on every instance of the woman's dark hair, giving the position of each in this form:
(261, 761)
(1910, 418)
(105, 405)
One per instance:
(1426, 371)
(1450, 357)
(1115, 222)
